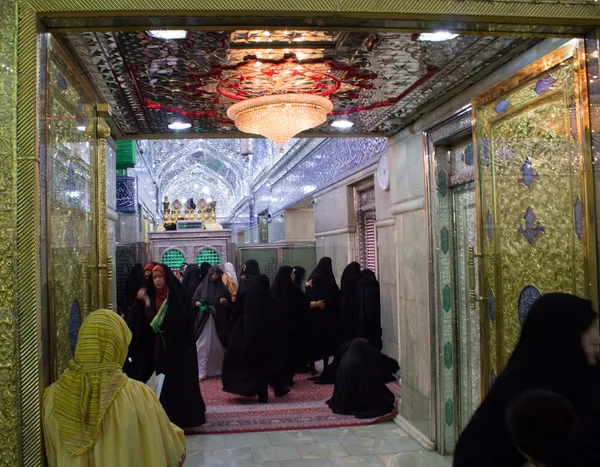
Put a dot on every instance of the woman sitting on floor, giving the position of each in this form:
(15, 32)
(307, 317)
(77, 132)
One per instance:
(360, 384)
(94, 415)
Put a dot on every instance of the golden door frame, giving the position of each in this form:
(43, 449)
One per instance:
(574, 49)
(26, 162)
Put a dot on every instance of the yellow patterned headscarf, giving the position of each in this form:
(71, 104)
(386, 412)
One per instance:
(93, 379)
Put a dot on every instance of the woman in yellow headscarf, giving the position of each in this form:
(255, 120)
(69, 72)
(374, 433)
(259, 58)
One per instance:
(94, 415)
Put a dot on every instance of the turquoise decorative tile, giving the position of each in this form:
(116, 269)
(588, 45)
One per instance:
(445, 240)
(448, 355)
(449, 412)
(442, 184)
(447, 297)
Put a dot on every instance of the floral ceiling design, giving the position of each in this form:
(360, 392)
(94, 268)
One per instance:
(378, 81)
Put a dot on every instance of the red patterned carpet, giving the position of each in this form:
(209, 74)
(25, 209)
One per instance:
(303, 408)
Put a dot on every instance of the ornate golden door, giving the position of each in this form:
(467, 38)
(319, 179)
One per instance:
(75, 181)
(536, 226)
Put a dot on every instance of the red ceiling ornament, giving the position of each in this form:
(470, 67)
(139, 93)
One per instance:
(257, 78)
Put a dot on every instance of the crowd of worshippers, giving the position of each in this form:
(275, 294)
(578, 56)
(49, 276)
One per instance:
(135, 381)
(255, 335)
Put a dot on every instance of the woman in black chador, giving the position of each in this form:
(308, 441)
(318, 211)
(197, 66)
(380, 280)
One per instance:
(204, 267)
(255, 357)
(369, 308)
(360, 384)
(192, 277)
(349, 302)
(558, 352)
(163, 343)
(212, 303)
(324, 330)
(135, 281)
(250, 270)
(299, 275)
(296, 306)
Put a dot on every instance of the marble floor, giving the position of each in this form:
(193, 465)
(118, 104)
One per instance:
(379, 445)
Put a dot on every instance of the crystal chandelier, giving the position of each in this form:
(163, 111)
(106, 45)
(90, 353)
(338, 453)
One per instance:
(279, 117)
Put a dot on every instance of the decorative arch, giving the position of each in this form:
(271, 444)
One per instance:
(173, 257)
(208, 255)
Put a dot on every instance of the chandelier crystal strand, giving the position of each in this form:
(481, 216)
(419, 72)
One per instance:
(280, 117)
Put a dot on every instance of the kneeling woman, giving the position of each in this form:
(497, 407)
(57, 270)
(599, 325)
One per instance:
(256, 354)
(95, 415)
(163, 343)
(360, 384)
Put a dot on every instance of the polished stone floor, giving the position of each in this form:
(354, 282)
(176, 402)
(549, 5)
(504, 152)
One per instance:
(379, 445)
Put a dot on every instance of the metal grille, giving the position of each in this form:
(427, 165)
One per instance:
(371, 245)
(173, 258)
(208, 255)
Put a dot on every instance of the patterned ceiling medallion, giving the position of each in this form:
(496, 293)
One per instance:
(256, 79)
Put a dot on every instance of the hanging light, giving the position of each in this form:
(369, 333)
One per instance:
(439, 36)
(342, 124)
(168, 35)
(179, 126)
(280, 117)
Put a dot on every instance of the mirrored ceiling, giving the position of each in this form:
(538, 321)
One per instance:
(154, 80)
(216, 168)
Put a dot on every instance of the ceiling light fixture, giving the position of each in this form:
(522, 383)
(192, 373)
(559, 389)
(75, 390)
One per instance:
(439, 36)
(179, 126)
(342, 124)
(168, 35)
(280, 117)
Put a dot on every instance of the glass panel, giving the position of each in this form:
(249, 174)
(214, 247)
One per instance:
(303, 256)
(267, 260)
(69, 196)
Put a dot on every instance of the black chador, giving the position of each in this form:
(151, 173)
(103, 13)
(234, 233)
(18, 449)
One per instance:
(369, 308)
(349, 302)
(250, 270)
(360, 384)
(295, 306)
(163, 343)
(324, 330)
(255, 357)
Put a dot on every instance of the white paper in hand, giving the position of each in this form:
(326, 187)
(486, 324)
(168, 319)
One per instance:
(160, 379)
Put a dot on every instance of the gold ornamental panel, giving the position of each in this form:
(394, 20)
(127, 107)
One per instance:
(517, 10)
(534, 209)
(70, 171)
